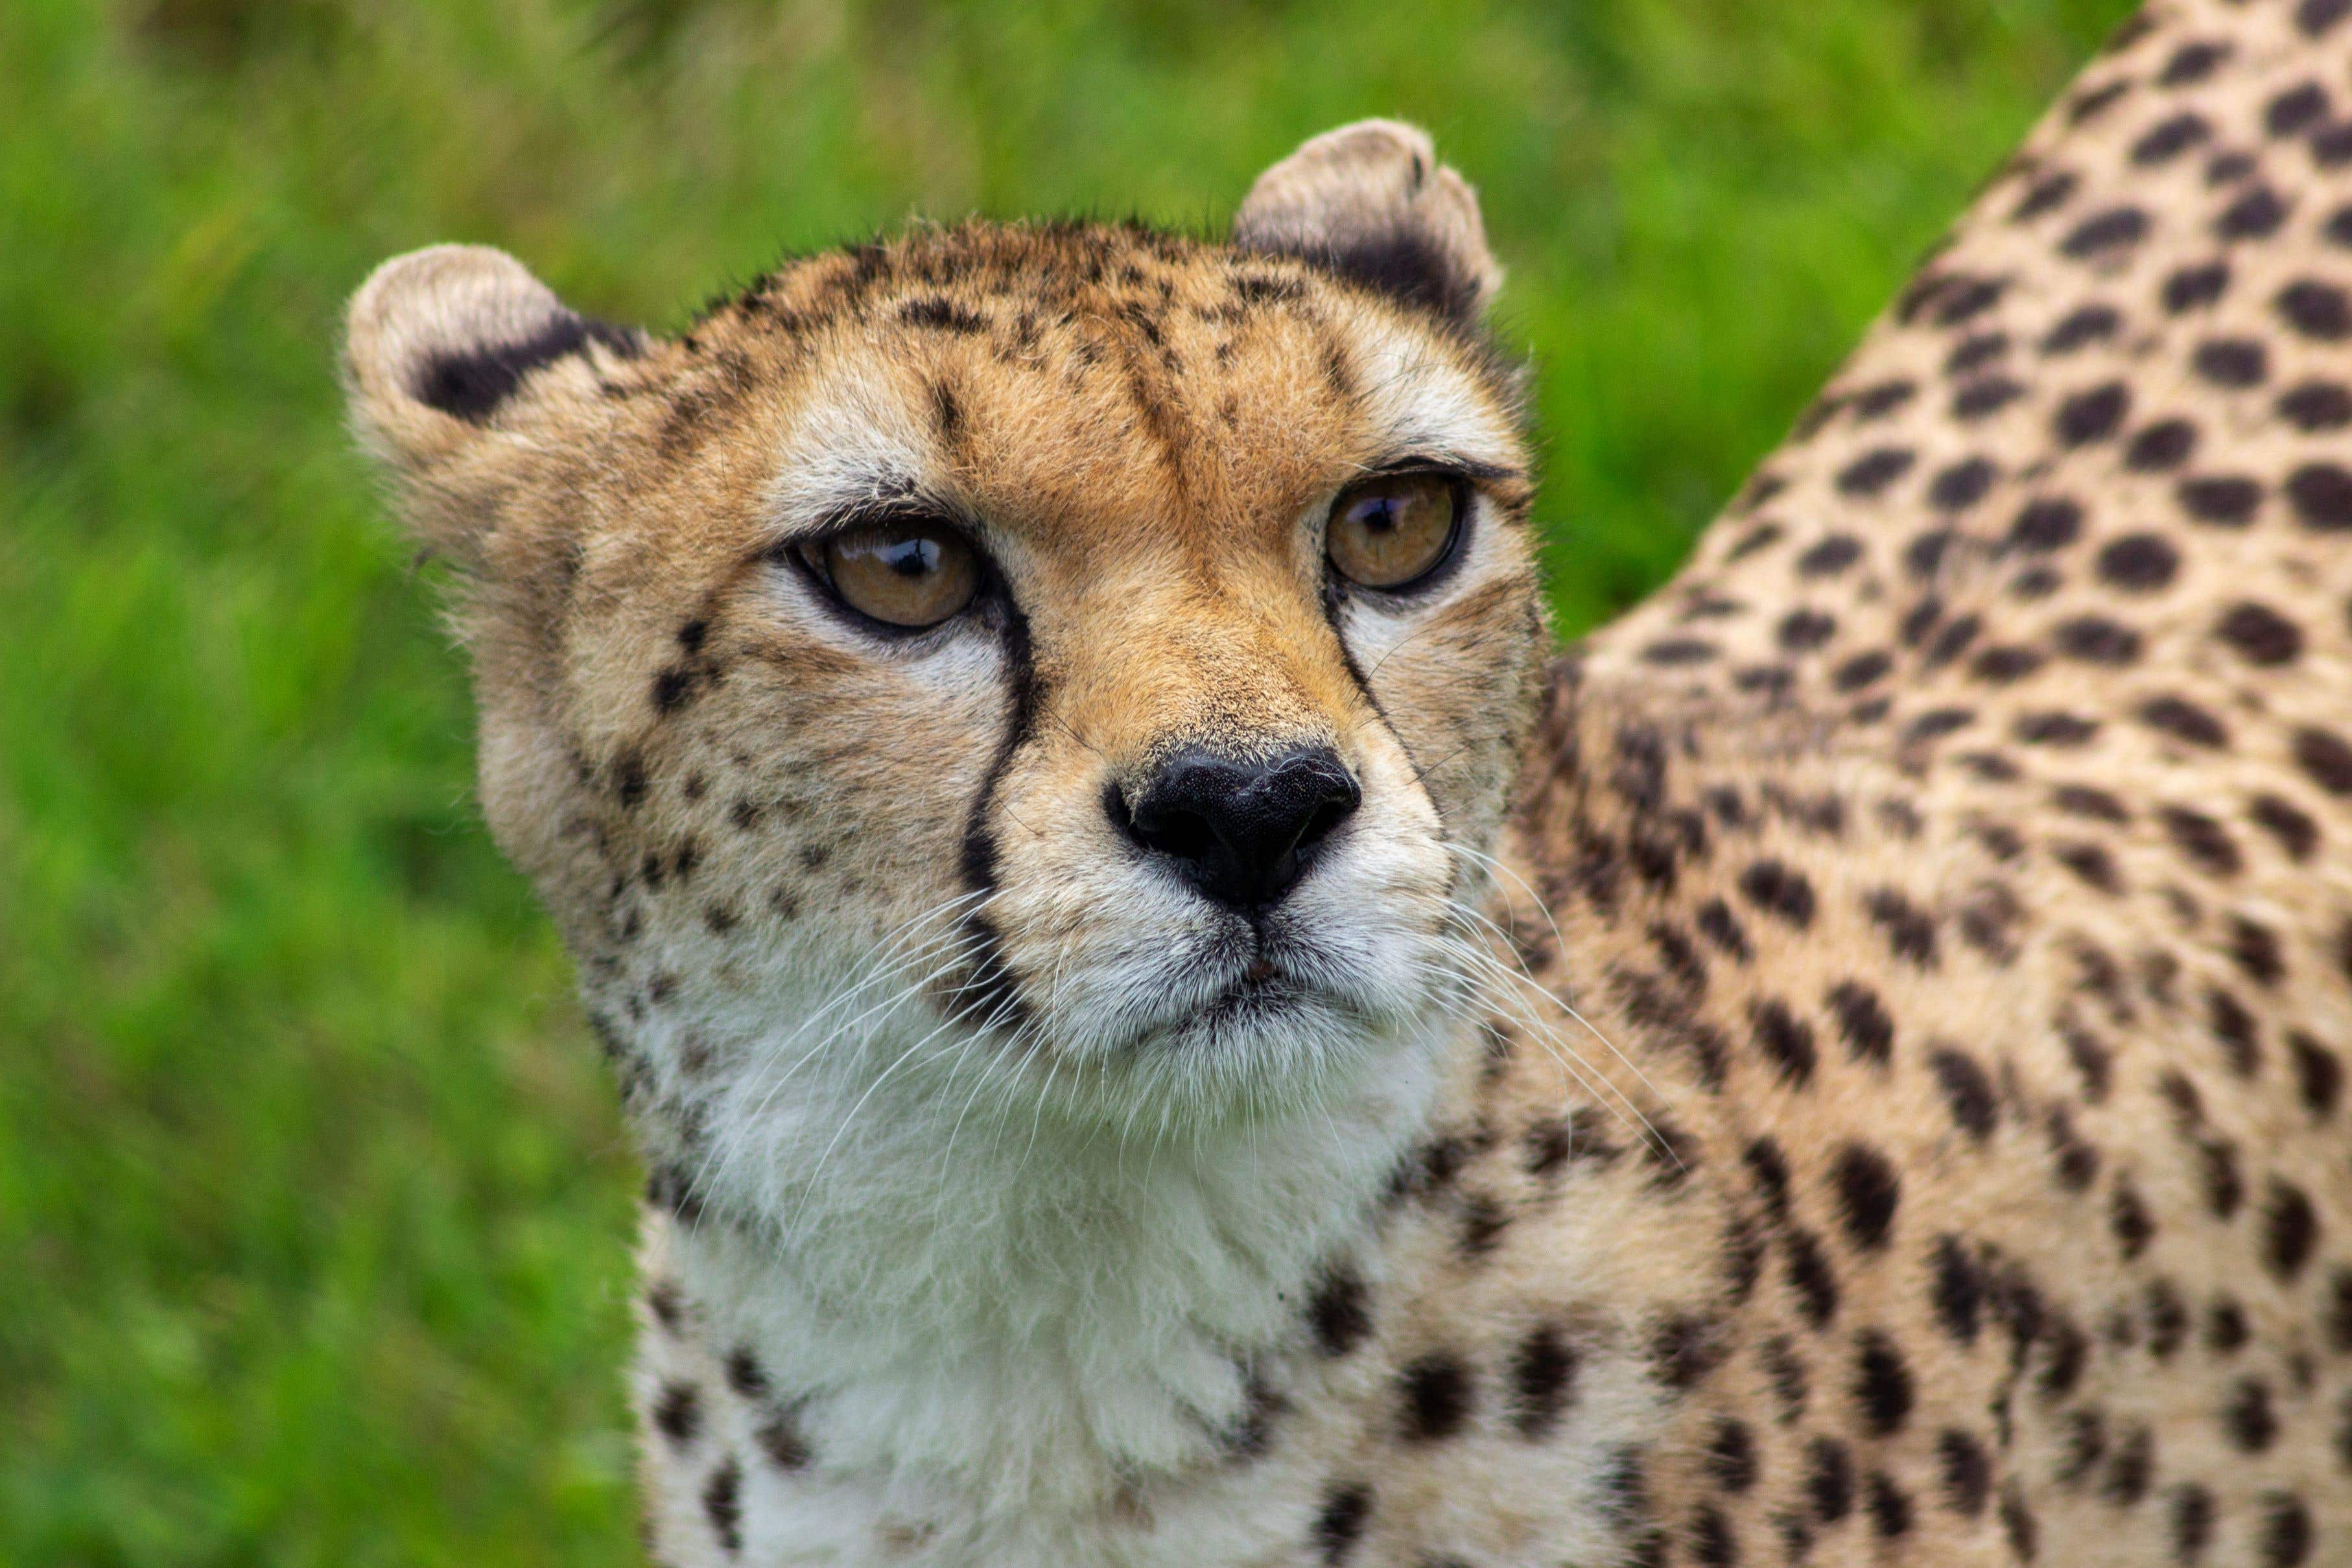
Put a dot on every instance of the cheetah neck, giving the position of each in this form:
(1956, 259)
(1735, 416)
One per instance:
(1060, 1313)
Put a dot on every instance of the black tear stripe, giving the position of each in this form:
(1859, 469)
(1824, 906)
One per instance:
(470, 384)
(1334, 599)
(990, 991)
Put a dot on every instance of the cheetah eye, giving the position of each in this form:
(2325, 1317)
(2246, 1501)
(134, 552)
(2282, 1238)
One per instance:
(1391, 531)
(909, 572)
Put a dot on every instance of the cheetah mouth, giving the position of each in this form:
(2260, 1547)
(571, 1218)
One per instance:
(1261, 991)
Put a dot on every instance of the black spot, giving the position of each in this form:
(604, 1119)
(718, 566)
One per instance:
(2297, 834)
(781, 1439)
(2317, 17)
(1830, 557)
(1484, 1220)
(1732, 1461)
(2247, 1416)
(1963, 483)
(1957, 1288)
(2139, 563)
(1685, 1348)
(629, 780)
(1720, 927)
(2183, 720)
(1784, 1039)
(2046, 195)
(2255, 215)
(2286, 1531)
(1860, 669)
(2321, 493)
(2295, 111)
(2192, 62)
(2233, 362)
(2318, 1075)
(2326, 759)
(1909, 930)
(1543, 1382)
(1773, 886)
(2315, 310)
(1803, 630)
(2084, 325)
(1712, 1542)
(1786, 1373)
(1868, 1192)
(1436, 1395)
(1983, 396)
(722, 1503)
(678, 1413)
(2166, 444)
(2129, 1219)
(2092, 415)
(2132, 1467)
(1967, 1472)
(942, 314)
(2017, 1522)
(2105, 231)
(2261, 634)
(2289, 1229)
(1862, 1022)
(2082, 1445)
(2337, 1318)
(1890, 1506)
(1883, 1389)
(1341, 1524)
(2255, 947)
(2048, 523)
(1968, 1091)
(1829, 1481)
(1811, 1276)
(2192, 1514)
(2226, 1329)
(1339, 1313)
(2316, 405)
(2170, 137)
(2192, 287)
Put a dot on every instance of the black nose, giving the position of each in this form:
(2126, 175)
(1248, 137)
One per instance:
(1242, 832)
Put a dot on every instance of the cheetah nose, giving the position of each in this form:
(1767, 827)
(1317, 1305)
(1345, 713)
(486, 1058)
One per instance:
(1240, 832)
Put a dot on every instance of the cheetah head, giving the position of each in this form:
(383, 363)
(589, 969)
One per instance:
(1058, 665)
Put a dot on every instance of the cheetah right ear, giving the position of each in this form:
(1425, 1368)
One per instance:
(1371, 202)
(447, 352)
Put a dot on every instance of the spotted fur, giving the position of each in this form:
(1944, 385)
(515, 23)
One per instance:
(1944, 1160)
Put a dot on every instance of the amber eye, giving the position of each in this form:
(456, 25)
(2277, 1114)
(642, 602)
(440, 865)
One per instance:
(1393, 531)
(911, 573)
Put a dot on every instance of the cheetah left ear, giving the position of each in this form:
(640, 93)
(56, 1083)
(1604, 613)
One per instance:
(450, 356)
(1371, 202)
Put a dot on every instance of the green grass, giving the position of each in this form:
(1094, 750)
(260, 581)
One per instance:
(314, 1206)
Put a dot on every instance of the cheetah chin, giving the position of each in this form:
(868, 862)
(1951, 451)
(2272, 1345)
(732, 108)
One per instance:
(1168, 1028)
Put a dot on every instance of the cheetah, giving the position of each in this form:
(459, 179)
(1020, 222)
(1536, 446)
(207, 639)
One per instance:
(1171, 1026)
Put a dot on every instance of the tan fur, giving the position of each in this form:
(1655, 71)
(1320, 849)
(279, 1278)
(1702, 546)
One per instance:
(1944, 1161)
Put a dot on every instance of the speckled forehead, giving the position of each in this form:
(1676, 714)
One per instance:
(1218, 394)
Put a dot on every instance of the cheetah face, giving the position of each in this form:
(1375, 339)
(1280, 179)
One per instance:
(1082, 653)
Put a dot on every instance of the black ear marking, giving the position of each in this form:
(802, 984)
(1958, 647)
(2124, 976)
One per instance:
(1405, 264)
(1371, 204)
(470, 384)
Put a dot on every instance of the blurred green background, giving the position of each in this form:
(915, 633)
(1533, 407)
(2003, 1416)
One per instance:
(314, 1207)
